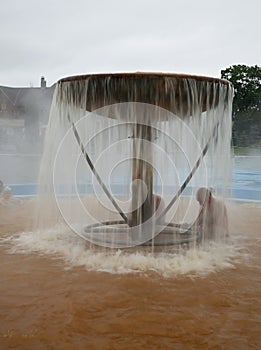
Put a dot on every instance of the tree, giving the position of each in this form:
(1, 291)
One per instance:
(246, 104)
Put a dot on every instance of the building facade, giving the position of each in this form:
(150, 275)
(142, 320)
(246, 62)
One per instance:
(24, 114)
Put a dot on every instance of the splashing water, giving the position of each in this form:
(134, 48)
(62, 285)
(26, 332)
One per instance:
(115, 141)
(61, 242)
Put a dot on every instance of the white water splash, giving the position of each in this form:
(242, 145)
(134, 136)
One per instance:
(61, 242)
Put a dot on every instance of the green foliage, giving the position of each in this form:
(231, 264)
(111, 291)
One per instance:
(246, 105)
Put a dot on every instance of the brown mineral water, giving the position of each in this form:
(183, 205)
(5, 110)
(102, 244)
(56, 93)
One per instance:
(61, 291)
(55, 293)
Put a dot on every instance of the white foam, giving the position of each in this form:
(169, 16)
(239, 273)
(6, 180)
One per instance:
(60, 242)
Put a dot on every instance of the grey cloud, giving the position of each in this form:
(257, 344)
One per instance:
(62, 38)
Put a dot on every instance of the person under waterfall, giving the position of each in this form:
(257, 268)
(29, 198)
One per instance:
(158, 205)
(212, 221)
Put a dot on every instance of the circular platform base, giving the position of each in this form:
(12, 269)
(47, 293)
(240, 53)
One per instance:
(117, 234)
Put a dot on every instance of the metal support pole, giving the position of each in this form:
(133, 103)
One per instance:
(142, 175)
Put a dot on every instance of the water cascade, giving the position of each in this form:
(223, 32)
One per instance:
(125, 154)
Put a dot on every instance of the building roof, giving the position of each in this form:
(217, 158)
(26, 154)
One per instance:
(23, 102)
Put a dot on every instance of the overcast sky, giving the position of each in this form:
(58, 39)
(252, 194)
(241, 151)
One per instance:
(60, 38)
